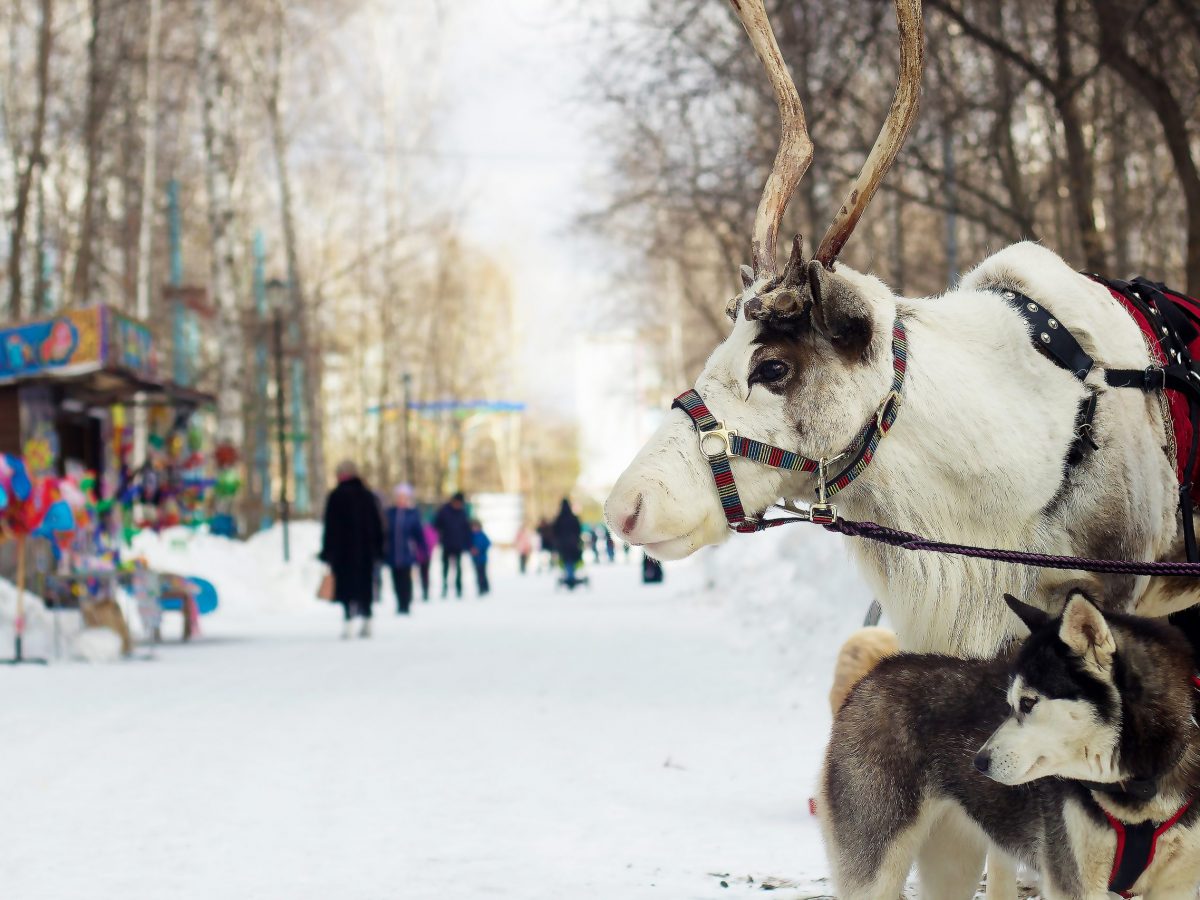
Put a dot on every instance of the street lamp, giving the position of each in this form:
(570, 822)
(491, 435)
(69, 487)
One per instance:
(277, 295)
(408, 460)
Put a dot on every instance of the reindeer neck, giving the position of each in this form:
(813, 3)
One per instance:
(974, 457)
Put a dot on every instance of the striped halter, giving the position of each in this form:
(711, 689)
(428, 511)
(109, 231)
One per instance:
(718, 443)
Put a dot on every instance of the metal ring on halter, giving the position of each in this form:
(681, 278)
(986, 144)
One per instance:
(721, 433)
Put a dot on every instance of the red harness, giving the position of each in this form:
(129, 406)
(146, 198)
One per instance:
(1136, 844)
(1181, 421)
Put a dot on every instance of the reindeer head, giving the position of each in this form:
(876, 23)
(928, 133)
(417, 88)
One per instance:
(808, 360)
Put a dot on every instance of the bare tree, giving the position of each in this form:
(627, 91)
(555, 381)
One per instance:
(33, 163)
(218, 171)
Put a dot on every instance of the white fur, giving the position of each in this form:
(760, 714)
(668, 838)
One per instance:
(969, 459)
(1064, 738)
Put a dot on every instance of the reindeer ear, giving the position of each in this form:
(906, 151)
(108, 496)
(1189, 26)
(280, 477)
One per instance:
(839, 312)
(1033, 617)
(747, 274)
(1085, 631)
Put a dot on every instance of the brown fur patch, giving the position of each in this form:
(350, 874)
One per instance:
(861, 652)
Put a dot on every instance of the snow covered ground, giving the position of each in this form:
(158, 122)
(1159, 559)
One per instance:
(629, 741)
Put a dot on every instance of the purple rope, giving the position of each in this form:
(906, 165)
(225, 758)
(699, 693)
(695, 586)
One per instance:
(893, 537)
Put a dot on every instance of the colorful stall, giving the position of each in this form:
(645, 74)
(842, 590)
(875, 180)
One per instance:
(79, 391)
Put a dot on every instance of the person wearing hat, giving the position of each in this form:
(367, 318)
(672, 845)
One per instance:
(405, 545)
(454, 534)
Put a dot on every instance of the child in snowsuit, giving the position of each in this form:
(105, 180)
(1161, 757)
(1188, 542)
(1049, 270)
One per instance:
(480, 544)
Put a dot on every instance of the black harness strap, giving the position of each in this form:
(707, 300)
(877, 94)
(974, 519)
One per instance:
(1053, 340)
(1049, 335)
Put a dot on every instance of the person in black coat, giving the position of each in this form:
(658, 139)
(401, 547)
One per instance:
(454, 535)
(352, 545)
(568, 540)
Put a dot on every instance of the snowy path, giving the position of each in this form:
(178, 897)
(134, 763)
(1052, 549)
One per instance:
(623, 743)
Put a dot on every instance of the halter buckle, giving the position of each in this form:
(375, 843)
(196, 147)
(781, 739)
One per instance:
(723, 434)
(822, 512)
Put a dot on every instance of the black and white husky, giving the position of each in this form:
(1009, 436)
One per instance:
(1078, 755)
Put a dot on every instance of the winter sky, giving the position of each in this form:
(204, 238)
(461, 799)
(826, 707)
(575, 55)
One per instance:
(524, 150)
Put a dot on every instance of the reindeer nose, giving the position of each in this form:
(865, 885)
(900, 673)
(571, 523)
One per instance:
(631, 520)
(983, 761)
(624, 512)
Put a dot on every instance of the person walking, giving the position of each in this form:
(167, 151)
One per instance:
(480, 544)
(545, 532)
(454, 534)
(568, 541)
(405, 544)
(523, 544)
(593, 543)
(352, 545)
(425, 557)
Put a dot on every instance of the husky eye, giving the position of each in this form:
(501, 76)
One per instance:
(769, 371)
(1027, 704)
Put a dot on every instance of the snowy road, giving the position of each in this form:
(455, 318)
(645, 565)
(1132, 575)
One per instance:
(628, 742)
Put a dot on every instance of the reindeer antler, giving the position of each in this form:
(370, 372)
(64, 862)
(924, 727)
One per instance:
(891, 136)
(796, 149)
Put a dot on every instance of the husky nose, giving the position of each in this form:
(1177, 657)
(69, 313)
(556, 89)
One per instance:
(983, 761)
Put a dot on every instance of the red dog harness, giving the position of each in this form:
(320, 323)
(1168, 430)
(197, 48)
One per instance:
(1136, 844)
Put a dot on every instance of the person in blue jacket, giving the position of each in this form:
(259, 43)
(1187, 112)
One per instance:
(480, 544)
(405, 545)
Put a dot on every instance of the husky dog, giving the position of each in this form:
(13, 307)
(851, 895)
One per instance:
(1078, 755)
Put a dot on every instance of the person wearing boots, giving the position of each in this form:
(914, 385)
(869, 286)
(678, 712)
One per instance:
(454, 534)
(480, 545)
(352, 545)
(568, 541)
(405, 545)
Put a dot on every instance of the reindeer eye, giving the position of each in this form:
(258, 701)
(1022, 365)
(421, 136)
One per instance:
(1027, 704)
(769, 371)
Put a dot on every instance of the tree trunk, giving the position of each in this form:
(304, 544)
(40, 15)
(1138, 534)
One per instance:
(1157, 93)
(149, 166)
(33, 162)
(313, 411)
(81, 281)
(218, 162)
(1119, 190)
(1081, 175)
(1007, 158)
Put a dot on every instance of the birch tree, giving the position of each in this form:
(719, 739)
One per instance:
(32, 165)
(216, 111)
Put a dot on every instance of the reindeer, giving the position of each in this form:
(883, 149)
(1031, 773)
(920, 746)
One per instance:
(985, 444)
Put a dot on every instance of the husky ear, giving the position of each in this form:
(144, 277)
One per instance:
(1085, 631)
(1033, 617)
(839, 312)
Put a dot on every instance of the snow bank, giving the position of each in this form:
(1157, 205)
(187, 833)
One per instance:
(793, 590)
(249, 576)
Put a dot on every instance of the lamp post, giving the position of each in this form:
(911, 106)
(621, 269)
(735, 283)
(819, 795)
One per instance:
(408, 460)
(277, 292)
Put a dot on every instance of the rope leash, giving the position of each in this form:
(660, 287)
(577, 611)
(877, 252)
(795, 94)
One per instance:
(904, 540)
